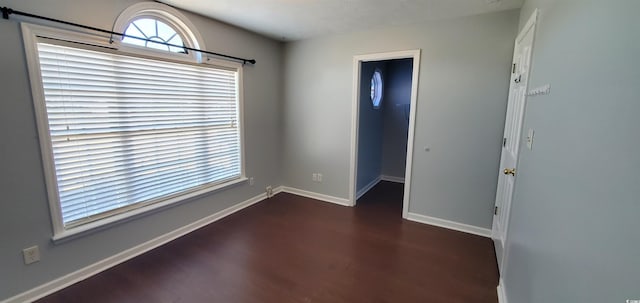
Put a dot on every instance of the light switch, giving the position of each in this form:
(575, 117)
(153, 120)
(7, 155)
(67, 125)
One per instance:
(530, 134)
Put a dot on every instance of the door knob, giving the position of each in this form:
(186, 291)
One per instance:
(510, 171)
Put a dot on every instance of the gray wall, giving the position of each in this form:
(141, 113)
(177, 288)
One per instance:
(24, 212)
(464, 77)
(370, 128)
(395, 116)
(574, 234)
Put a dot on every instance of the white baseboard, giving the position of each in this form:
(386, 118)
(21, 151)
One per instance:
(100, 266)
(392, 179)
(502, 295)
(368, 187)
(317, 196)
(450, 225)
(277, 190)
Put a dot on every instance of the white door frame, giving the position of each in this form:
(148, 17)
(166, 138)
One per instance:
(355, 116)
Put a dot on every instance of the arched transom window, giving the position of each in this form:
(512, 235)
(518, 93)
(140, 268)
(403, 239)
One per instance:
(154, 25)
(155, 34)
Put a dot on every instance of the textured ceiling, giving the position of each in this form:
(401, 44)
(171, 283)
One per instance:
(300, 19)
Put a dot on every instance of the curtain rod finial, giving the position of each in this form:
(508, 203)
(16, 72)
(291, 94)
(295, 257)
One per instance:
(6, 12)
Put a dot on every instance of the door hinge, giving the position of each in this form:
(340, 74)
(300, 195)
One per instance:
(513, 69)
(504, 142)
(495, 210)
(518, 80)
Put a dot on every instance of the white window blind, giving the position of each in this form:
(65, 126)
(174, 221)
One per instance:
(128, 131)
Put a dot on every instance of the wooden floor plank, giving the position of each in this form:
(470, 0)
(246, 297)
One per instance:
(295, 249)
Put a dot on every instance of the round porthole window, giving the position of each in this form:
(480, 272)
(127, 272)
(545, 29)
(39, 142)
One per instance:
(376, 88)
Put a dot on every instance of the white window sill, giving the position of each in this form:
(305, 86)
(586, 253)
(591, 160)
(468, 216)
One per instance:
(94, 226)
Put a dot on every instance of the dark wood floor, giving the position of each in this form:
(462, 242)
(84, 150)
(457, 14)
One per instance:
(293, 249)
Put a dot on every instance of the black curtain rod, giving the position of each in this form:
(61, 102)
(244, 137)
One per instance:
(6, 12)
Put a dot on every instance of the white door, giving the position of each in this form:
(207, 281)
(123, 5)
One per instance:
(512, 137)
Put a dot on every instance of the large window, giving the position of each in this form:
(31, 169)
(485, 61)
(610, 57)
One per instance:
(123, 133)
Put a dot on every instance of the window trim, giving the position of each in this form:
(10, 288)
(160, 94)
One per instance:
(32, 34)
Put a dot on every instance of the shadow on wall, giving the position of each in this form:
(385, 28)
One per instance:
(396, 110)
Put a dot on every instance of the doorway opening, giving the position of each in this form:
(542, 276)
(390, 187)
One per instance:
(385, 90)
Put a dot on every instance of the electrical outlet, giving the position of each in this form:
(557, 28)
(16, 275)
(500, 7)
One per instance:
(251, 181)
(31, 254)
(269, 192)
(316, 177)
